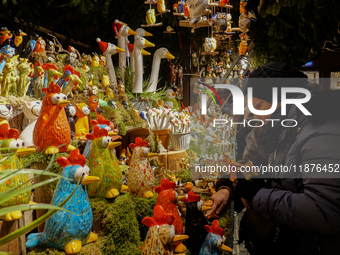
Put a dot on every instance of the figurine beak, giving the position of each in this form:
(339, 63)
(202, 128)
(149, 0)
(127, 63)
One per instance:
(119, 49)
(114, 145)
(22, 34)
(148, 44)
(90, 179)
(150, 155)
(63, 103)
(25, 151)
(169, 55)
(226, 248)
(179, 238)
(205, 208)
(145, 53)
(112, 133)
(131, 32)
(147, 33)
(180, 198)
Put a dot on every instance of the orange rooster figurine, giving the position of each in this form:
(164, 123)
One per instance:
(167, 198)
(52, 128)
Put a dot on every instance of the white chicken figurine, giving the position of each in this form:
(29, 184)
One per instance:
(31, 112)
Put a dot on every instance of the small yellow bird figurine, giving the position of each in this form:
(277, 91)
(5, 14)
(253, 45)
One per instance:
(150, 16)
(161, 5)
(95, 61)
(105, 81)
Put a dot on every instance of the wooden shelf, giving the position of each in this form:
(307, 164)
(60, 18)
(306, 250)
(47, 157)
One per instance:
(161, 13)
(201, 23)
(212, 53)
(217, 4)
(152, 25)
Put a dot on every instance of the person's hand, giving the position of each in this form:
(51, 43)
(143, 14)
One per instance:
(220, 199)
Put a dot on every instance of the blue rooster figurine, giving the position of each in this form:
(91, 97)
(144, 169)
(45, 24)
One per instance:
(64, 230)
(213, 243)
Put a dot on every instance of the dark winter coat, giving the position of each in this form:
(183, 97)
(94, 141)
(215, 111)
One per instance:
(309, 204)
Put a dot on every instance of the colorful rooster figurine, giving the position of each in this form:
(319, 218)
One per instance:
(161, 234)
(52, 129)
(82, 124)
(141, 177)
(9, 139)
(64, 230)
(104, 165)
(195, 221)
(213, 243)
(167, 198)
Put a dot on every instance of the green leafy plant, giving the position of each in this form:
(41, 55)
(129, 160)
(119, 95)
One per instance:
(20, 189)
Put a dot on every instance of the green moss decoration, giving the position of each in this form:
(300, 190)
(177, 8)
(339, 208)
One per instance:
(119, 223)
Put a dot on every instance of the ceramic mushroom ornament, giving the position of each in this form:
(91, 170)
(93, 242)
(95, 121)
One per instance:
(64, 230)
(31, 112)
(52, 129)
(141, 180)
(161, 234)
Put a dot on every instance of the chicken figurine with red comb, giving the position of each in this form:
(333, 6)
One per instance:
(141, 179)
(64, 230)
(167, 198)
(161, 234)
(213, 243)
(104, 165)
(52, 129)
(13, 147)
(195, 221)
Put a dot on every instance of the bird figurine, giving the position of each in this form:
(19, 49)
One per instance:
(18, 34)
(141, 179)
(6, 111)
(93, 103)
(196, 9)
(169, 29)
(150, 16)
(13, 148)
(221, 22)
(31, 112)
(167, 198)
(104, 165)
(195, 221)
(160, 237)
(213, 243)
(161, 7)
(65, 230)
(82, 124)
(52, 128)
(70, 111)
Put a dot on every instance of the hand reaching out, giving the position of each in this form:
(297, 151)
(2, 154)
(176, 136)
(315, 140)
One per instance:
(220, 199)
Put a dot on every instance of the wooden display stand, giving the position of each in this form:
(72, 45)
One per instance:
(172, 160)
(17, 246)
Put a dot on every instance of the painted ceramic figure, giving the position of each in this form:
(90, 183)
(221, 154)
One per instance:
(52, 128)
(167, 198)
(195, 221)
(82, 124)
(104, 165)
(31, 112)
(9, 139)
(70, 111)
(213, 243)
(141, 180)
(161, 234)
(66, 231)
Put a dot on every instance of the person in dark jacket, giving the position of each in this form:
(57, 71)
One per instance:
(295, 212)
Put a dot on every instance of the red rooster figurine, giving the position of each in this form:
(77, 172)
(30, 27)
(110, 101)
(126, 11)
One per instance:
(52, 128)
(167, 198)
